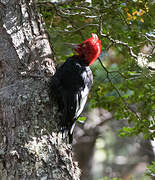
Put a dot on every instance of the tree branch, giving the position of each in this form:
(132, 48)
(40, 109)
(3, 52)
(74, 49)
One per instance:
(124, 102)
(141, 58)
(78, 29)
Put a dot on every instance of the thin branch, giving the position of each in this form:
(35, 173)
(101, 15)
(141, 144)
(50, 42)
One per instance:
(59, 3)
(115, 41)
(67, 11)
(141, 58)
(126, 105)
(120, 43)
(79, 8)
(122, 75)
(150, 40)
(83, 14)
(78, 29)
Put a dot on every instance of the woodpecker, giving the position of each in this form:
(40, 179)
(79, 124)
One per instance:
(72, 82)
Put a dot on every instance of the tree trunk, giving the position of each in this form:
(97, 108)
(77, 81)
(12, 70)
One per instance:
(28, 119)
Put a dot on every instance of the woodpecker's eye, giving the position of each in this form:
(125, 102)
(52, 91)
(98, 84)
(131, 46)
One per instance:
(83, 45)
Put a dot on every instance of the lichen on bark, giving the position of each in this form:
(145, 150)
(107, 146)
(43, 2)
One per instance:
(29, 145)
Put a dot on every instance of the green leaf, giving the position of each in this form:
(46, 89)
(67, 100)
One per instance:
(82, 119)
(151, 170)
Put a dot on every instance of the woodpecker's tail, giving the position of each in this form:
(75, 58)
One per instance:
(70, 133)
(70, 138)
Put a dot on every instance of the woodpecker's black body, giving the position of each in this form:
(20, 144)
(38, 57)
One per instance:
(71, 84)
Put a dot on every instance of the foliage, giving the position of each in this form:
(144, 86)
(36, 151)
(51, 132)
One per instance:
(125, 83)
(81, 119)
(130, 97)
(151, 170)
(124, 87)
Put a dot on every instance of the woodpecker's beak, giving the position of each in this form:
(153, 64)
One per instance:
(74, 46)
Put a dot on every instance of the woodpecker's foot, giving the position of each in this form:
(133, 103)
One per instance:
(66, 136)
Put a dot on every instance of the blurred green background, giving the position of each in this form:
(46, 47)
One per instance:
(117, 138)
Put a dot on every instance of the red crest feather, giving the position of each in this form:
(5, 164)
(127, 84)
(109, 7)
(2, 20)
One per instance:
(90, 49)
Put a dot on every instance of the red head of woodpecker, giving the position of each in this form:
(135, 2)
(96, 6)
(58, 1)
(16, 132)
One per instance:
(90, 49)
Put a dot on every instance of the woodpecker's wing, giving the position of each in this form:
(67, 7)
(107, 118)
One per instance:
(83, 92)
(76, 81)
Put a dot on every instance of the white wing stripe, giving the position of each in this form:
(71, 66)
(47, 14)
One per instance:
(84, 95)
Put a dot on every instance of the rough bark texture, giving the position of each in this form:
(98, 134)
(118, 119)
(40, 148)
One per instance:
(28, 142)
